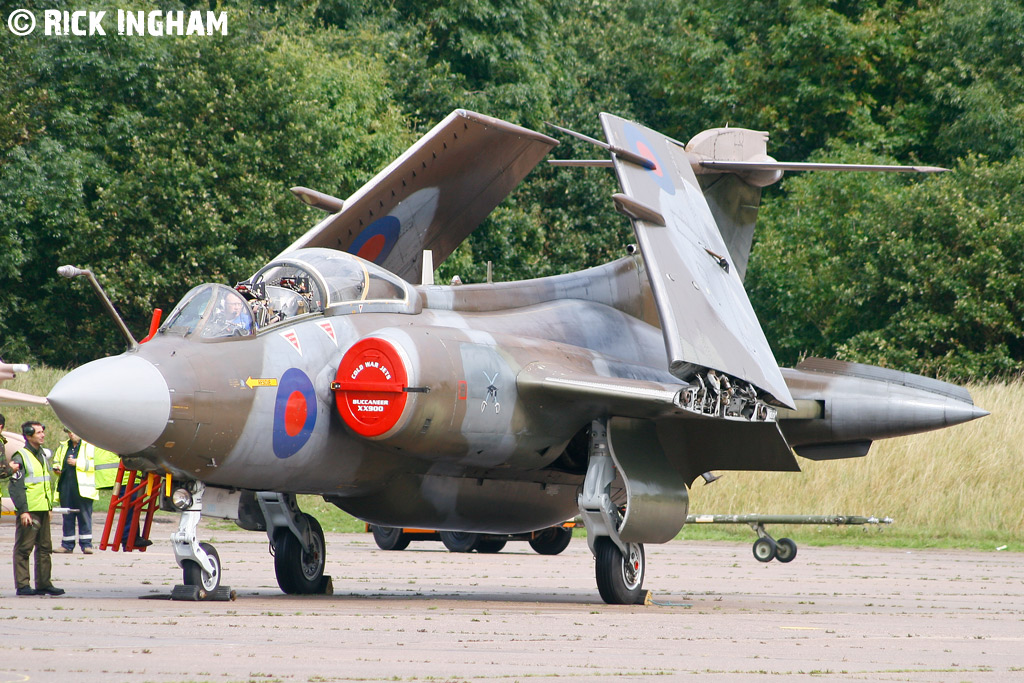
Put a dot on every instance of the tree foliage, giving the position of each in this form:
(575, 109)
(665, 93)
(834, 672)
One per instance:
(164, 162)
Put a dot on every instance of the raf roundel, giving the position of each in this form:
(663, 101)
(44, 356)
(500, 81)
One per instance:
(294, 413)
(370, 387)
(377, 240)
(638, 142)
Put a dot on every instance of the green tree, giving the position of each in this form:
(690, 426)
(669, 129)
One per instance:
(163, 163)
(919, 275)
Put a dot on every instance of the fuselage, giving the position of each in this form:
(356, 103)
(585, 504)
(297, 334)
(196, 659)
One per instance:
(401, 405)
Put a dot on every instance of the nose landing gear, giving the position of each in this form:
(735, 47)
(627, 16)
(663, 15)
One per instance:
(199, 562)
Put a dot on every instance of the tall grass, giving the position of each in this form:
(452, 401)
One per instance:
(965, 482)
(957, 486)
(38, 381)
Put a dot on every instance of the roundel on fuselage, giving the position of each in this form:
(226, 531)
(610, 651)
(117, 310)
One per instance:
(294, 413)
(370, 387)
(637, 142)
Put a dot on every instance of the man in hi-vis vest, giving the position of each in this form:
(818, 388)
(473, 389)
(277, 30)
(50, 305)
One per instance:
(32, 492)
(75, 462)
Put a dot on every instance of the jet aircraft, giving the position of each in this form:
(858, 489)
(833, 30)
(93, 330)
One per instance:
(340, 369)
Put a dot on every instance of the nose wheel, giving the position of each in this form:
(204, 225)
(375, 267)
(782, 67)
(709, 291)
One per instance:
(192, 574)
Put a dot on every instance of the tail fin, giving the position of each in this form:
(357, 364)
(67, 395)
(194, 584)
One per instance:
(732, 165)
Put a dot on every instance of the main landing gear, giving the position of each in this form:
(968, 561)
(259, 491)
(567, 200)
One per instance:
(619, 566)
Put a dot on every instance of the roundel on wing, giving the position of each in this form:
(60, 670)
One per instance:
(370, 387)
(377, 240)
(294, 413)
(637, 142)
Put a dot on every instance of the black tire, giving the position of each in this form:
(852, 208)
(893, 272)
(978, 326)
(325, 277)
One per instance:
(300, 572)
(785, 550)
(193, 575)
(490, 545)
(764, 550)
(390, 538)
(620, 581)
(551, 541)
(459, 541)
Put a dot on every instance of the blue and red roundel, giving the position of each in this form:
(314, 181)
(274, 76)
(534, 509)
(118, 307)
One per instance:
(637, 142)
(377, 240)
(294, 413)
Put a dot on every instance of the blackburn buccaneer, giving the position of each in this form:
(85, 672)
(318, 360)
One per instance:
(340, 369)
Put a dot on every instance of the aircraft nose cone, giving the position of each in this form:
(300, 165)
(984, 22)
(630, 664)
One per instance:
(958, 412)
(120, 403)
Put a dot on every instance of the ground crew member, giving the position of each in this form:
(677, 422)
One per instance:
(32, 492)
(75, 463)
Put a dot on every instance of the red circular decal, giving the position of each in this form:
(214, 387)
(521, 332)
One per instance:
(370, 387)
(295, 413)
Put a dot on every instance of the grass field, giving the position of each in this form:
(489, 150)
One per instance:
(958, 487)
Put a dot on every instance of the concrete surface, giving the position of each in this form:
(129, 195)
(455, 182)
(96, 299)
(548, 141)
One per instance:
(426, 614)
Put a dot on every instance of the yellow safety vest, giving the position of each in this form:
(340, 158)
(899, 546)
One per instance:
(85, 469)
(39, 493)
(106, 468)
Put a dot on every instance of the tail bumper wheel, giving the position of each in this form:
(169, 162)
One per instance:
(299, 571)
(620, 580)
(551, 541)
(193, 575)
(390, 538)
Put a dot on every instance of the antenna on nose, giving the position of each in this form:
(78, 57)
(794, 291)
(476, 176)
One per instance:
(69, 271)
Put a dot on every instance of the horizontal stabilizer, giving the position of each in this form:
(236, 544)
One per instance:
(432, 196)
(741, 166)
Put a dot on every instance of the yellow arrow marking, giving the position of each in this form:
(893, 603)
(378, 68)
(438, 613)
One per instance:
(261, 382)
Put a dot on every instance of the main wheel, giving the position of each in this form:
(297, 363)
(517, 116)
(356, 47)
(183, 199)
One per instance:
(785, 550)
(459, 541)
(551, 541)
(193, 575)
(390, 538)
(620, 580)
(298, 571)
(764, 550)
(490, 545)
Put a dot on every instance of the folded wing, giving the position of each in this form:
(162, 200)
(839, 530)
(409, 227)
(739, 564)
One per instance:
(434, 195)
(706, 318)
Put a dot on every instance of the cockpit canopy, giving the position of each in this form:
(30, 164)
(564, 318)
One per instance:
(303, 282)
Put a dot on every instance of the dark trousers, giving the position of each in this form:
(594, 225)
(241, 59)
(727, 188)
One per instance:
(84, 521)
(27, 538)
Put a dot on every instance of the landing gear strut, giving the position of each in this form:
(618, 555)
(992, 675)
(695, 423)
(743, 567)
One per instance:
(199, 562)
(297, 541)
(619, 566)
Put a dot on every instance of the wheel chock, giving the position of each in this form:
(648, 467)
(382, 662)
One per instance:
(326, 586)
(198, 593)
